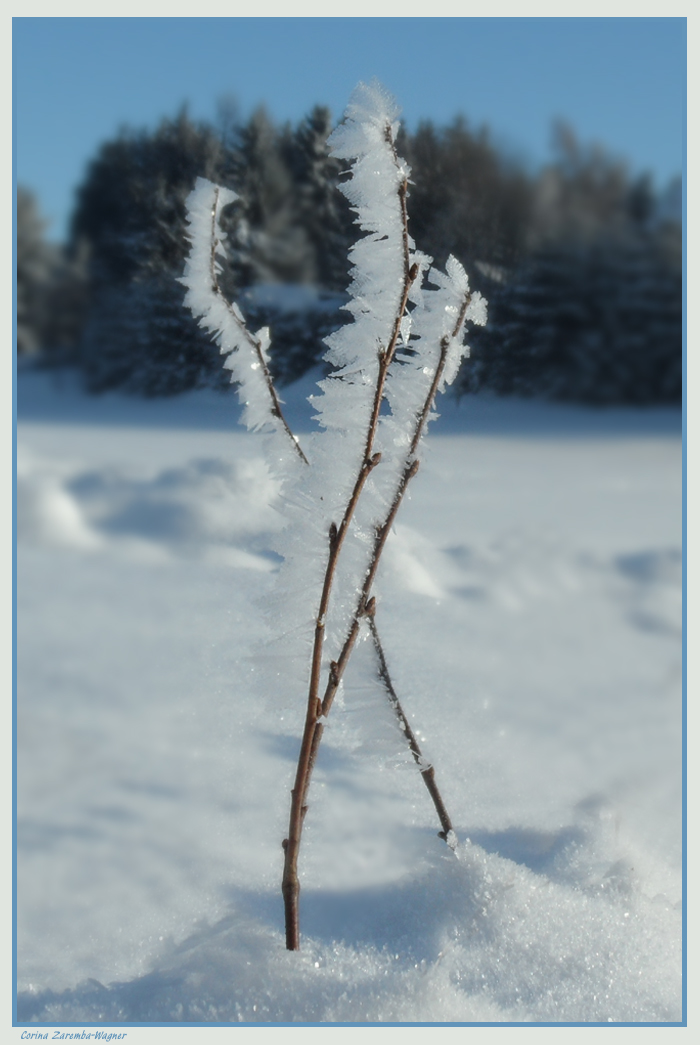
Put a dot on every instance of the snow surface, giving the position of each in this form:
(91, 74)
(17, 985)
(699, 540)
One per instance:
(530, 608)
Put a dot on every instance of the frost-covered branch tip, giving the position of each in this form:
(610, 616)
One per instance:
(247, 354)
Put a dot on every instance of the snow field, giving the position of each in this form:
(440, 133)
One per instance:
(529, 604)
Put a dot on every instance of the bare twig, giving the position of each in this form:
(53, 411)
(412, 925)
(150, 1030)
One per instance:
(426, 770)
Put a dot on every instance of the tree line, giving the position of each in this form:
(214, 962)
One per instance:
(581, 262)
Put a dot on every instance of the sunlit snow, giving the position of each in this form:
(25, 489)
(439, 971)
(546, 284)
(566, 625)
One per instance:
(530, 608)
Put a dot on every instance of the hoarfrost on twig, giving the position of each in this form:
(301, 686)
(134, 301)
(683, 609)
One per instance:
(403, 347)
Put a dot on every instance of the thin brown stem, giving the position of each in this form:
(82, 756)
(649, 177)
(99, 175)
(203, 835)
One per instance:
(411, 465)
(318, 710)
(318, 713)
(275, 406)
(313, 729)
(427, 771)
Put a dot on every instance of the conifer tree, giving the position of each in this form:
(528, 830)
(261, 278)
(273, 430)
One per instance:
(296, 232)
(131, 218)
(594, 311)
(34, 264)
(269, 222)
(597, 322)
(323, 211)
(465, 199)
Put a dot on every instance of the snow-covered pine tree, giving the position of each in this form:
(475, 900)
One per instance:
(34, 266)
(274, 251)
(130, 218)
(277, 245)
(403, 346)
(467, 199)
(593, 312)
(323, 211)
(597, 322)
(51, 287)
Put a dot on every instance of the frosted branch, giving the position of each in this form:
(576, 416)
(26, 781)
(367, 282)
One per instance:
(450, 344)
(380, 301)
(247, 353)
(426, 770)
(405, 345)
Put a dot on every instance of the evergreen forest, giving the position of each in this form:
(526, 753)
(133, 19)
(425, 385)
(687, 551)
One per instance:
(581, 261)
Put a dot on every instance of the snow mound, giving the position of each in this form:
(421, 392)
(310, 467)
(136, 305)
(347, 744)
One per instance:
(478, 939)
(47, 513)
(210, 507)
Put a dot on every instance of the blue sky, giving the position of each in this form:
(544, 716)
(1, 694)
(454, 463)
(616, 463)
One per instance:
(617, 81)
